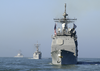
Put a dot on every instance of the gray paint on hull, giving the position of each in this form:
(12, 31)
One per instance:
(65, 58)
(37, 55)
(67, 50)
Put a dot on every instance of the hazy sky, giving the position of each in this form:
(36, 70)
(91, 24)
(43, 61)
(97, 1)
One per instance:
(24, 22)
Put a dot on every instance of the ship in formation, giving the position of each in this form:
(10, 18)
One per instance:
(37, 54)
(19, 54)
(64, 46)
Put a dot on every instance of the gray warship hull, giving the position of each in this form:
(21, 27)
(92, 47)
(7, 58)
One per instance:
(37, 55)
(64, 50)
(65, 57)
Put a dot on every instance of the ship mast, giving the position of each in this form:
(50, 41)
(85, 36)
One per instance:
(65, 14)
(37, 46)
(64, 21)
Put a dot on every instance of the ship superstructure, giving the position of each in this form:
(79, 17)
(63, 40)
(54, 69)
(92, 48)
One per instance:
(19, 54)
(64, 47)
(37, 54)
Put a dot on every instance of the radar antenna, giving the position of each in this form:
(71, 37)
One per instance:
(65, 20)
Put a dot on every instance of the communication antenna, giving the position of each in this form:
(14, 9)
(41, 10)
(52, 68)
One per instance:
(65, 20)
(37, 46)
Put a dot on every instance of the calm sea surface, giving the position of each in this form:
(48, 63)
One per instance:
(29, 64)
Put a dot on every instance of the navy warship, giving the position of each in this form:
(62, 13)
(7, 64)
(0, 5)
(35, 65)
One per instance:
(64, 46)
(37, 54)
(19, 54)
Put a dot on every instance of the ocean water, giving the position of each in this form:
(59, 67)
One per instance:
(29, 64)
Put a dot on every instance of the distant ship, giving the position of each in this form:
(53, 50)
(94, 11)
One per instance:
(19, 54)
(37, 54)
(64, 47)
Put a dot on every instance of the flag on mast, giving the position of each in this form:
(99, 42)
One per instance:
(55, 29)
